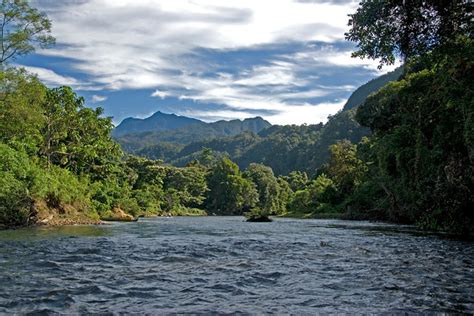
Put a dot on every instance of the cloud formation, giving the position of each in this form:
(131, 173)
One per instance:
(183, 49)
(51, 78)
(98, 98)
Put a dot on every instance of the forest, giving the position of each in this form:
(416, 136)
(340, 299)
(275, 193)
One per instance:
(414, 163)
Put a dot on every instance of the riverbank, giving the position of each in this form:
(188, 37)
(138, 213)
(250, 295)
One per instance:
(302, 215)
(43, 214)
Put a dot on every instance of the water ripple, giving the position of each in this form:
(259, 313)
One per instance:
(222, 265)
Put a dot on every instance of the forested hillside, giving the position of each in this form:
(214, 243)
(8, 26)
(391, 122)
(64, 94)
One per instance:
(361, 93)
(284, 148)
(169, 134)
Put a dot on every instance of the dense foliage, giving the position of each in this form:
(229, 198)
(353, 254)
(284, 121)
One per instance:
(423, 141)
(419, 162)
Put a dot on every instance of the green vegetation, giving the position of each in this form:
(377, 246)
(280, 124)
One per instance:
(419, 162)
(283, 148)
(402, 154)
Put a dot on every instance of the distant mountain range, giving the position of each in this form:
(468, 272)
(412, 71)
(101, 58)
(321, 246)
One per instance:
(178, 140)
(161, 122)
(137, 134)
(156, 123)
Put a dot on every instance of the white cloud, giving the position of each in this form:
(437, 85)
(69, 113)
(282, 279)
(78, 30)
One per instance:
(51, 78)
(151, 44)
(160, 94)
(290, 114)
(306, 114)
(98, 98)
(329, 55)
(133, 43)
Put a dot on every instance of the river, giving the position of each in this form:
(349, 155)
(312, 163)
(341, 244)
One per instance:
(219, 265)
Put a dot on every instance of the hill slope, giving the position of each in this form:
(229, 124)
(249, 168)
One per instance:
(361, 93)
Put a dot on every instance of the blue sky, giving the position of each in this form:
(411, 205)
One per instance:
(284, 60)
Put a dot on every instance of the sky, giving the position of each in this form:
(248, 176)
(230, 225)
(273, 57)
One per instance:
(284, 60)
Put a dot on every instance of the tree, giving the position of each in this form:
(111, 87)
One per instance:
(344, 167)
(229, 193)
(386, 29)
(267, 187)
(76, 137)
(21, 113)
(297, 180)
(189, 184)
(422, 147)
(22, 29)
(15, 184)
(285, 194)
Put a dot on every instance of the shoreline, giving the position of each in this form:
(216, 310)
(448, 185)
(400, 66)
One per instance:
(84, 221)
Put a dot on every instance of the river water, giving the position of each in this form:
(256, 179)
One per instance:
(221, 265)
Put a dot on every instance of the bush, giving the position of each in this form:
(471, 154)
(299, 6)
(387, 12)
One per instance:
(59, 186)
(15, 202)
(15, 187)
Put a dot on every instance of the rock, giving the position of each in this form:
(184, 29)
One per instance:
(46, 220)
(259, 219)
(120, 216)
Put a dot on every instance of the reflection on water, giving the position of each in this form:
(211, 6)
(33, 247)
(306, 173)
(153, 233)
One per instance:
(224, 265)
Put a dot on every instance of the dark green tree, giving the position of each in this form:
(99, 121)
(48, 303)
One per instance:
(189, 185)
(229, 193)
(297, 180)
(267, 187)
(76, 137)
(422, 144)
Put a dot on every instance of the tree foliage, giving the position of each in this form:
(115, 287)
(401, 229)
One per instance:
(388, 29)
(22, 29)
(229, 193)
(267, 187)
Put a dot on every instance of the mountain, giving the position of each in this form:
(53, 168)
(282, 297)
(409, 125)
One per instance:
(361, 93)
(157, 122)
(192, 132)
